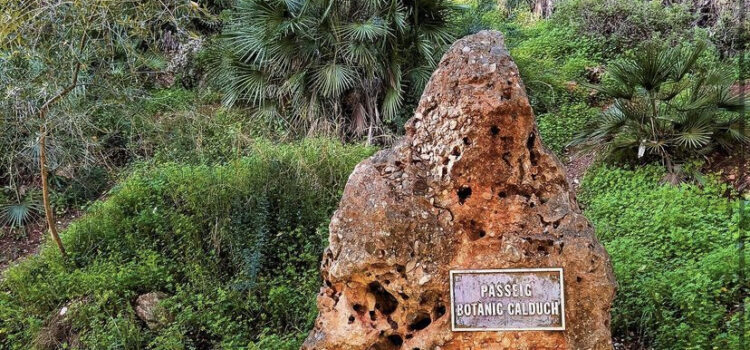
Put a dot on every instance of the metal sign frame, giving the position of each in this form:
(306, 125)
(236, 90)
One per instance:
(490, 271)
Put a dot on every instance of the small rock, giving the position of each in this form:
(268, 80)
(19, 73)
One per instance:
(149, 310)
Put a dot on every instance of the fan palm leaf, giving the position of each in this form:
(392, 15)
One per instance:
(370, 30)
(333, 78)
(18, 214)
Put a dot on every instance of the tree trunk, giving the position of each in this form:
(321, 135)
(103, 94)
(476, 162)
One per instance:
(45, 190)
(543, 8)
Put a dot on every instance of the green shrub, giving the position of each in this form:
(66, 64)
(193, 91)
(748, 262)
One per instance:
(551, 59)
(623, 24)
(558, 128)
(182, 126)
(168, 100)
(236, 246)
(674, 256)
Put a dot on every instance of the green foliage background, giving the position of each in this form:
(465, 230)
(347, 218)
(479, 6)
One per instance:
(232, 225)
(674, 256)
(237, 246)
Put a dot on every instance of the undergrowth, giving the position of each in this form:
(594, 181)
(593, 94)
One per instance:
(236, 247)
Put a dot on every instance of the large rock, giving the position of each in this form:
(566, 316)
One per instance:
(469, 187)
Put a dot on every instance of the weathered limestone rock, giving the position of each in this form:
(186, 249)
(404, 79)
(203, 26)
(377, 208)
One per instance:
(469, 187)
(149, 310)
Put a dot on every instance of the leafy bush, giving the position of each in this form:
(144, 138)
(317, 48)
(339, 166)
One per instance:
(662, 110)
(236, 246)
(62, 63)
(560, 127)
(332, 69)
(619, 25)
(674, 256)
(551, 59)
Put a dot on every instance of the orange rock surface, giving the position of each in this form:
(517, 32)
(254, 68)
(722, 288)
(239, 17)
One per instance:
(470, 186)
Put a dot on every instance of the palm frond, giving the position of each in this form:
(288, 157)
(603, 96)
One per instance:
(695, 133)
(369, 30)
(249, 84)
(362, 54)
(392, 102)
(686, 60)
(18, 214)
(333, 78)
(419, 76)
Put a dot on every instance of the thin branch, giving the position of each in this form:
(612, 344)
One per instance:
(76, 70)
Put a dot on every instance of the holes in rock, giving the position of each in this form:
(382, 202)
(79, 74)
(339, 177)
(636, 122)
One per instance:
(351, 319)
(391, 342)
(579, 279)
(474, 231)
(506, 158)
(428, 297)
(419, 321)
(373, 317)
(494, 130)
(384, 301)
(530, 146)
(508, 92)
(439, 311)
(393, 324)
(400, 269)
(467, 141)
(463, 194)
(456, 152)
(403, 295)
(408, 336)
(542, 250)
(532, 204)
(396, 340)
(358, 308)
(502, 194)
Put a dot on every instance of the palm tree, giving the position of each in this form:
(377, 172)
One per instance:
(666, 108)
(338, 67)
